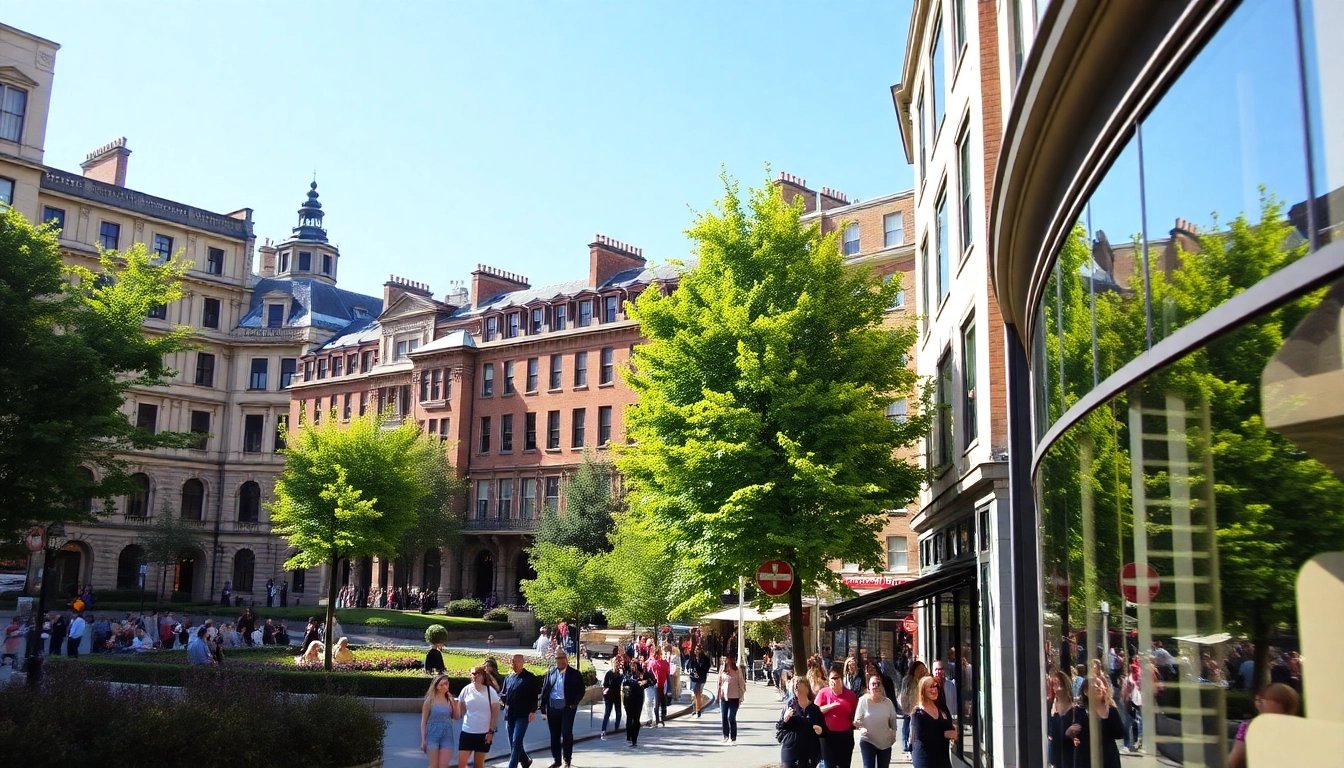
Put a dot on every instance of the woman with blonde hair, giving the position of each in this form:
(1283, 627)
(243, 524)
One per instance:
(1275, 699)
(931, 729)
(799, 728)
(854, 680)
(479, 705)
(436, 722)
(908, 699)
(875, 717)
(342, 653)
(1099, 702)
(312, 655)
(816, 675)
(1059, 745)
(732, 691)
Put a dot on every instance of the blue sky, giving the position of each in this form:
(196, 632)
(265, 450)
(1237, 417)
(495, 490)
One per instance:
(450, 133)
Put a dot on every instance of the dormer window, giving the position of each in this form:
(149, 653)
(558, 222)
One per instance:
(326, 264)
(491, 327)
(609, 307)
(538, 320)
(305, 261)
(405, 347)
(13, 105)
(560, 317)
(511, 327)
(284, 261)
(275, 315)
(585, 313)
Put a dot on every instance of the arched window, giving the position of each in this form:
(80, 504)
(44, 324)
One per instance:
(86, 475)
(249, 504)
(243, 564)
(137, 501)
(193, 499)
(128, 567)
(429, 577)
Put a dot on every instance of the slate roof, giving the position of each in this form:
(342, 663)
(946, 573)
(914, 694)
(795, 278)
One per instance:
(313, 303)
(629, 277)
(451, 340)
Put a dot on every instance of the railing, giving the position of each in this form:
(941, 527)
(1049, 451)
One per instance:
(149, 205)
(501, 524)
(270, 334)
(226, 526)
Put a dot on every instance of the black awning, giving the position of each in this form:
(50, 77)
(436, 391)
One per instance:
(950, 576)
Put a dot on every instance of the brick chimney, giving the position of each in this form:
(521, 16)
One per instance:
(488, 282)
(792, 187)
(396, 287)
(266, 257)
(108, 163)
(606, 257)
(832, 198)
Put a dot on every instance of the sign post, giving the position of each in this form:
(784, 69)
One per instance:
(1139, 589)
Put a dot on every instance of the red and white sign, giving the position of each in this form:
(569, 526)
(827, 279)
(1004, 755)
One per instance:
(1139, 589)
(35, 539)
(910, 625)
(871, 580)
(774, 577)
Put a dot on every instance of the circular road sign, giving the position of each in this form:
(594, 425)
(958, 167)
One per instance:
(1139, 589)
(910, 625)
(35, 539)
(774, 577)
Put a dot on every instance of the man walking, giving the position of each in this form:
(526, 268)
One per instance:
(75, 635)
(520, 708)
(561, 693)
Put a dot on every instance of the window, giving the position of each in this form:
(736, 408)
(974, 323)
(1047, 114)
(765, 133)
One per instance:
(322, 368)
(326, 264)
(968, 420)
(609, 306)
(6, 191)
(443, 429)
(253, 427)
(53, 216)
(305, 261)
(506, 433)
(552, 430)
(158, 312)
(603, 424)
(437, 390)
(281, 430)
(897, 411)
(508, 378)
(288, 367)
(532, 365)
(940, 243)
(580, 369)
(425, 388)
(13, 103)
(244, 563)
(527, 499)
(336, 363)
(557, 370)
(403, 394)
(504, 503)
(943, 402)
(936, 79)
(275, 315)
(137, 501)
(163, 247)
(552, 498)
(585, 313)
(924, 283)
(210, 313)
(109, 235)
(346, 406)
(405, 347)
(923, 137)
(363, 403)
(200, 425)
(964, 160)
(983, 527)
(485, 434)
(317, 411)
(482, 499)
(258, 378)
(538, 320)
(351, 364)
(193, 499)
(284, 262)
(608, 371)
(893, 230)
(560, 317)
(577, 427)
(298, 580)
(959, 24)
(511, 325)
(205, 369)
(898, 554)
(365, 361)
(851, 239)
(491, 328)
(214, 261)
(530, 432)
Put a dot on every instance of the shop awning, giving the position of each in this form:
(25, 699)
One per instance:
(900, 597)
(750, 614)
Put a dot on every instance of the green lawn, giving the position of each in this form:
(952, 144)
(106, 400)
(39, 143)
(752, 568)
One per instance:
(349, 617)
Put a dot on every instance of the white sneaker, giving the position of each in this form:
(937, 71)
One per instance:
(725, 741)
(733, 742)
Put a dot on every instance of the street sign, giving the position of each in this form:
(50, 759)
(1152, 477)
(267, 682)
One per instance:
(910, 625)
(35, 539)
(774, 577)
(1140, 590)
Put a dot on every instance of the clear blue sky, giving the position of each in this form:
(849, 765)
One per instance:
(450, 133)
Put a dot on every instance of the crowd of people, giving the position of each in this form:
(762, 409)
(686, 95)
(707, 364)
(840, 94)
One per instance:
(394, 598)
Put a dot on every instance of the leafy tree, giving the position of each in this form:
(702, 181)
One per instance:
(167, 538)
(590, 506)
(72, 344)
(570, 585)
(764, 633)
(350, 491)
(648, 583)
(760, 430)
(437, 524)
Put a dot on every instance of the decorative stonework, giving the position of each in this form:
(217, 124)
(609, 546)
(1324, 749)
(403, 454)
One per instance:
(46, 61)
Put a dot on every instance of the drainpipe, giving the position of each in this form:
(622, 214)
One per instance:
(219, 492)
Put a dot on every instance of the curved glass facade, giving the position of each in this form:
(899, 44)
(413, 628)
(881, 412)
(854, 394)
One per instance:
(1177, 513)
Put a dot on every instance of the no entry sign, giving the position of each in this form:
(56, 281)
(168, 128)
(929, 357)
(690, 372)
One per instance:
(910, 625)
(774, 577)
(1139, 589)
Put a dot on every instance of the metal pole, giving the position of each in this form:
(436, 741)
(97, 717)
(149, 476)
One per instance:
(34, 650)
(741, 619)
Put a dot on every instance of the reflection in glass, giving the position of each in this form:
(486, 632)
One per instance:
(1323, 58)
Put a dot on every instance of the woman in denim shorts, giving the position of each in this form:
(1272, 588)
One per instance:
(436, 722)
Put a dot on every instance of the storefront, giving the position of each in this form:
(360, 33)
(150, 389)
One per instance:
(1168, 237)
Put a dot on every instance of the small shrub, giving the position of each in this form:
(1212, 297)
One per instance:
(496, 614)
(436, 633)
(377, 621)
(470, 607)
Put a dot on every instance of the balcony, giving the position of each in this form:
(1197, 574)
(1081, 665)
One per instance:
(501, 524)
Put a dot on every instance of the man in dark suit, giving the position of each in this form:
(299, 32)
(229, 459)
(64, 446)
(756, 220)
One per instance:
(521, 689)
(560, 695)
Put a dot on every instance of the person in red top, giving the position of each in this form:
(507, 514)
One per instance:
(660, 669)
(837, 704)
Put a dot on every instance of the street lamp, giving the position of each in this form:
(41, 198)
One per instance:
(55, 538)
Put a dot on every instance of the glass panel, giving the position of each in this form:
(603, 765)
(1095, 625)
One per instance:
(1051, 376)
(1111, 272)
(1323, 55)
(1175, 519)
(1224, 157)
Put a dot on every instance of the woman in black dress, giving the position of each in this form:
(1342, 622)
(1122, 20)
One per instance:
(1108, 727)
(799, 728)
(633, 683)
(1063, 714)
(931, 729)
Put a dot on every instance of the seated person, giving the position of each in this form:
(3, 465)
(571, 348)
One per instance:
(313, 655)
(141, 642)
(342, 654)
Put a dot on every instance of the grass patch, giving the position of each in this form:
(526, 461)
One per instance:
(349, 617)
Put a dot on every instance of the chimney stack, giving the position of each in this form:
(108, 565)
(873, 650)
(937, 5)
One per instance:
(832, 198)
(489, 282)
(607, 257)
(793, 187)
(266, 254)
(108, 163)
(457, 295)
(396, 287)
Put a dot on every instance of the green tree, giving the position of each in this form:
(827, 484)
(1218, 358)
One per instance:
(167, 538)
(437, 524)
(570, 585)
(649, 584)
(590, 506)
(760, 430)
(72, 343)
(350, 491)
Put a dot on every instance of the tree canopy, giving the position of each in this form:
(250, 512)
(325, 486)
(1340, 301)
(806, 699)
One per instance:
(590, 505)
(167, 538)
(72, 343)
(760, 430)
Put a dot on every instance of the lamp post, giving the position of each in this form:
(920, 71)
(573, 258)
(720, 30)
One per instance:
(33, 661)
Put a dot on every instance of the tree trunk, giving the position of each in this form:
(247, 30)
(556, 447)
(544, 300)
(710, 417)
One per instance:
(1260, 637)
(331, 613)
(796, 623)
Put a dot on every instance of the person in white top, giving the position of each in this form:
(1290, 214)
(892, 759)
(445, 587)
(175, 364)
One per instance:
(480, 709)
(542, 646)
(875, 717)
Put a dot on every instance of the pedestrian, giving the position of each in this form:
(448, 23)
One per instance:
(837, 704)
(434, 659)
(57, 634)
(75, 635)
(853, 677)
(246, 623)
(1131, 696)
(799, 728)
(479, 705)
(875, 718)
(1275, 699)
(13, 636)
(521, 690)
(1059, 745)
(732, 691)
(561, 694)
(698, 672)
(661, 669)
(611, 693)
(1100, 703)
(633, 683)
(492, 676)
(436, 722)
(931, 729)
